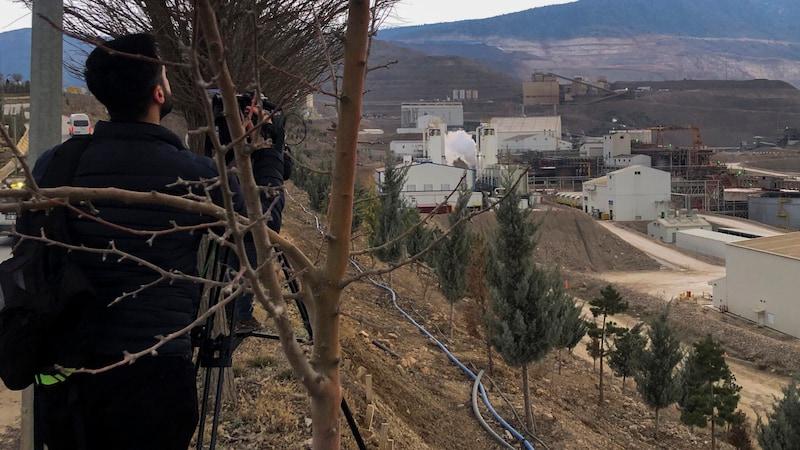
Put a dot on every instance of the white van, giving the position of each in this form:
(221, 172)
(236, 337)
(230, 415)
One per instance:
(79, 124)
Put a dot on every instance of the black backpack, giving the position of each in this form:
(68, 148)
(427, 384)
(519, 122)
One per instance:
(45, 298)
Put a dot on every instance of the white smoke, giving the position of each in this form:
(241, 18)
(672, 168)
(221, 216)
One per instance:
(459, 144)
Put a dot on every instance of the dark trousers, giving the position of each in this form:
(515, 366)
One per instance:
(151, 404)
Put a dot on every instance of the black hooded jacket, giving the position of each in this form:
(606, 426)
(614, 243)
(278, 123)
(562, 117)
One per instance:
(139, 157)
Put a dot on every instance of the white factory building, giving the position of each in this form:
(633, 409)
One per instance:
(432, 145)
(760, 282)
(429, 184)
(632, 193)
(666, 228)
(517, 135)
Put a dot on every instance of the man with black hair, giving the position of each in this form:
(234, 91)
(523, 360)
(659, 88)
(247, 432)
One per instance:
(152, 403)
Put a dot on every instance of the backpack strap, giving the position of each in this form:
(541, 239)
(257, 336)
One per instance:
(62, 166)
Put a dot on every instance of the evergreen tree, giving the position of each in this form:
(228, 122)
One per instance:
(709, 392)
(655, 374)
(524, 305)
(316, 183)
(393, 217)
(572, 326)
(628, 346)
(478, 313)
(782, 429)
(452, 255)
(365, 205)
(420, 238)
(593, 346)
(739, 432)
(609, 303)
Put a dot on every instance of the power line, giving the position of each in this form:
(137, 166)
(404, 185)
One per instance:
(15, 21)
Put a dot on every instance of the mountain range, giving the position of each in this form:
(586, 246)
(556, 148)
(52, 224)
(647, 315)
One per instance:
(623, 40)
(627, 40)
(15, 55)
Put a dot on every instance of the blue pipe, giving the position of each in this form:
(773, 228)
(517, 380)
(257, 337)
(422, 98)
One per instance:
(454, 360)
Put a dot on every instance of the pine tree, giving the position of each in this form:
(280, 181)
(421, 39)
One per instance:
(419, 238)
(782, 429)
(315, 183)
(655, 375)
(709, 392)
(524, 306)
(452, 255)
(393, 217)
(572, 326)
(593, 346)
(365, 205)
(628, 346)
(609, 303)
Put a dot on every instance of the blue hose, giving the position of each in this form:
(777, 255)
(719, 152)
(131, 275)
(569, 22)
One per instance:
(454, 360)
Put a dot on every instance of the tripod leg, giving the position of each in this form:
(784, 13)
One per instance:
(295, 288)
(217, 408)
(203, 408)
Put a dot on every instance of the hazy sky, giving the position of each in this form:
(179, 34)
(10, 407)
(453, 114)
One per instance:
(419, 12)
(14, 15)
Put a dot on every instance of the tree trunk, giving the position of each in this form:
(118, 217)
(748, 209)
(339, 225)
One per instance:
(657, 410)
(602, 351)
(623, 383)
(452, 308)
(559, 361)
(491, 360)
(196, 120)
(326, 354)
(319, 375)
(526, 394)
(713, 434)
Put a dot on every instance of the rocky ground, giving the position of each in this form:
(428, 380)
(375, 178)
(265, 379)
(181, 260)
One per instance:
(423, 397)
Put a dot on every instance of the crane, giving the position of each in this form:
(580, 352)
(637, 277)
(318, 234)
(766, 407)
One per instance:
(697, 140)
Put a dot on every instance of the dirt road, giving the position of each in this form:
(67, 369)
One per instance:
(683, 273)
(680, 273)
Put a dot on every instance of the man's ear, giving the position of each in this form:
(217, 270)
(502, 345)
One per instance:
(158, 94)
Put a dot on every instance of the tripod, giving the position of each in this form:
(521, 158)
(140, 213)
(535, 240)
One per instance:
(217, 352)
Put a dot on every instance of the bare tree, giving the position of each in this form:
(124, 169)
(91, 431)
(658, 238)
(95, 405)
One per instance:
(205, 58)
(283, 49)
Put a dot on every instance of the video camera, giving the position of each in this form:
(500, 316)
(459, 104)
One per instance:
(273, 131)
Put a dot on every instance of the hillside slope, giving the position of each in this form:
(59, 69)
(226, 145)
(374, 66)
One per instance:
(422, 397)
(630, 39)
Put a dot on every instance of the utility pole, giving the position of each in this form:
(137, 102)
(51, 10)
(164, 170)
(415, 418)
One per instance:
(46, 67)
(45, 128)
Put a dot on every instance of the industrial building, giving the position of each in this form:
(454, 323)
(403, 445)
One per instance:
(777, 208)
(760, 282)
(430, 148)
(451, 113)
(706, 242)
(428, 185)
(542, 89)
(632, 193)
(620, 161)
(666, 228)
(518, 135)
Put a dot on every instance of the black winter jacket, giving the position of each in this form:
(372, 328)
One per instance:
(140, 157)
